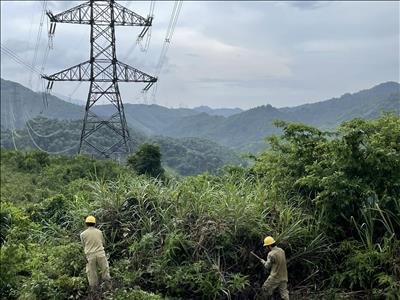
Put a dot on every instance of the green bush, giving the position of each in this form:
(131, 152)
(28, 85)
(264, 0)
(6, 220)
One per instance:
(147, 160)
(125, 294)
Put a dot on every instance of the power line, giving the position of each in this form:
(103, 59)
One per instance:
(28, 118)
(148, 38)
(47, 49)
(13, 122)
(45, 56)
(167, 42)
(27, 122)
(38, 37)
(50, 152)
(33, 140)
(44, 61)
(17, 59)
(11, 126)
(168, 36)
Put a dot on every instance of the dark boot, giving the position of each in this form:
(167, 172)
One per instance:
(95, 293)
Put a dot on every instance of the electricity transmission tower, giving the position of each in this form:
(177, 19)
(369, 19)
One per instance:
(103, 71)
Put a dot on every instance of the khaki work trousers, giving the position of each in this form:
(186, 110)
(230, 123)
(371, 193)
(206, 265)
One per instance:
(271, 284)
(93, 263)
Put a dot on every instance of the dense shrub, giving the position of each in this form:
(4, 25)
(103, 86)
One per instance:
(147, 160)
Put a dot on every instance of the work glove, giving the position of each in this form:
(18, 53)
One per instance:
(264, 262)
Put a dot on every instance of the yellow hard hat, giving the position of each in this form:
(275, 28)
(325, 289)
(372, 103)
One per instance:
(269, 240)
(90, 219)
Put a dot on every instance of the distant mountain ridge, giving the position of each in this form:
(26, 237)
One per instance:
(239, 130)
(367, 103)
(224, 112)
(148, 118)
(246, 131)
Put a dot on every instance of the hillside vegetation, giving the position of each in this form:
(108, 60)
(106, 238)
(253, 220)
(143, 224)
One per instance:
(20, 104)
(242, 131)
(186, 156)
(332, 200)
(245, 131)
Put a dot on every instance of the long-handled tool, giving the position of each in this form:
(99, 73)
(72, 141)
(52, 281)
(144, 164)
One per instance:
(255, 255)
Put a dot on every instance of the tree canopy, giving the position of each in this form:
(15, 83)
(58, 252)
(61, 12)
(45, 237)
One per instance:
(147, 160)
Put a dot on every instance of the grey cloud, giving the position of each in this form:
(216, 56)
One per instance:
(19, 47)
(307, 5)
(59, 6)
(192, 55)
(243, 83)
(338, 47)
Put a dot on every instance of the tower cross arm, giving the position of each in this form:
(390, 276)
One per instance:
(125, 17)
(80, 72)
(81, 14)
(76, 15)
(126, 73)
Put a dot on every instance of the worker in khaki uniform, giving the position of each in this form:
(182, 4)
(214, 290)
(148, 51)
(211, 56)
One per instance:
(276, 263)
(93, 243)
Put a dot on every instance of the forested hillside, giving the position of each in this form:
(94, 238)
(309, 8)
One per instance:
(186, 156)
(245, 131)
(149, 118)
(241, 131)
(366, 104)
(330, 199)
(20, 104)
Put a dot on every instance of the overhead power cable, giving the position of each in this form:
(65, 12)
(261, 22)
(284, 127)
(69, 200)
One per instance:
(44, 61)
(38, 37)
(27, 122)
(18, 60)
(167, 42)
(11, 125)
(29, 128)
(50, 152)
(146, 45)
(148, 38)
(27, 118)
(168, 36)
(47, 49)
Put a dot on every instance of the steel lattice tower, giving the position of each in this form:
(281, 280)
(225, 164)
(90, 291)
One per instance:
(103, 71)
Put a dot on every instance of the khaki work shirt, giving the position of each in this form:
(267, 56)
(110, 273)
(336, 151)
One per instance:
(276, 261)
(93, 241)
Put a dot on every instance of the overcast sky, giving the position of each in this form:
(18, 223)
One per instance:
(226, 54)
